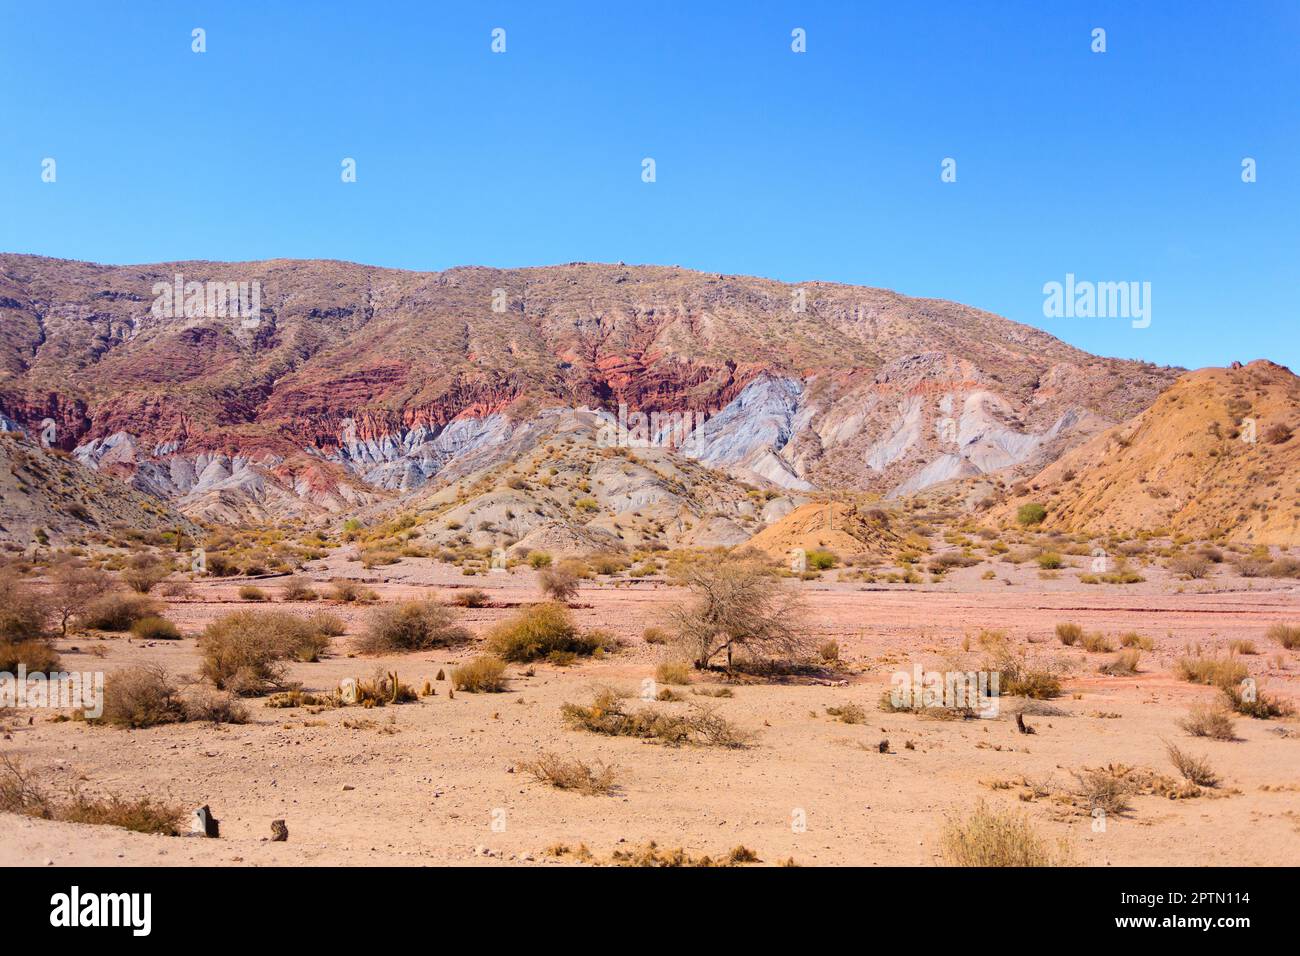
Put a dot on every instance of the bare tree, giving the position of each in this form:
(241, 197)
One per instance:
(75, 586)
(739, 603)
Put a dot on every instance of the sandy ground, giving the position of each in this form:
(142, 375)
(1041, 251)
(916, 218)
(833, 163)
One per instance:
(436, 782)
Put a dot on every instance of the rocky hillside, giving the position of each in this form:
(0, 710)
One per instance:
(341, 386)
(47, 497)
(1218, 453)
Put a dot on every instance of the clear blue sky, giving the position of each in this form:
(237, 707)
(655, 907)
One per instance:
(1117, 166)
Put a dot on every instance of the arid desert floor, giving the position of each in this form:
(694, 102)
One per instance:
(439, 780)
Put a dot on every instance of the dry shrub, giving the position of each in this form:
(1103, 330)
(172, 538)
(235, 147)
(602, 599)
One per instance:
(1105, 788)
(1191, 566)
(117, 611)
(21, 793)
(411, 626)
(484, 674)
(1139, 641)
(1213, 671)
(23, 615)
(1213, 722)
(38, 657)
(143, 572)
(215, 707)
(1123, 664)
(1069, 634)
(244, 652)
(1288, 635)
(1096, 642)
(541, 630)
(701, 726)
(474, 597)
(673, 672)
(1194, 769)
(1256, 704)
(558, 583)
(141, 696)
(298, 589)
(848, 713)
(573, 774)
(154, 628)
(331, 625)
(990, 837)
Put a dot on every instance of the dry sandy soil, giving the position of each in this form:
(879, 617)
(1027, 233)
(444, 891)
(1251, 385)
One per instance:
(423, 783)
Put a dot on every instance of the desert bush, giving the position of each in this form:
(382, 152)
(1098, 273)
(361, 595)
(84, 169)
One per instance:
(673, 672)
(214, 707)
(249, 592)
(116, 611)
(1096, 642)
(1215, 672)
(411, 626)
(1104, 788)
(701, 726)
(1124, 664)
(738, 604)
(1139, 641)
(1255, 703)
(1194, 769)
(472, 597)
(143, 572)
(244, 652)
(541, 630)
(1213, 722)
(155, 628)
(558, 583)
(1191, 566)
(141, 696)
(23, 613)
(1288, 635)
(37, 656)
(848, 713)
(572, 774)
(484, 674)
(298, 589)
(331, 625)
(1069, 634)
(1031, 514)
(990, 837)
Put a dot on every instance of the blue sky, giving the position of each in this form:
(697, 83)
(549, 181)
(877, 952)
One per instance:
(1122, 166)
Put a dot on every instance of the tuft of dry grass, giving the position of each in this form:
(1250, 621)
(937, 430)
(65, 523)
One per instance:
(576, 775)
(1288, 635)
(701, 726)
(1213, 722)
(990, 837)
(673, 672)
(1194, 769)
(1123, 664)
(1068, 633)
(484, 674)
